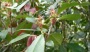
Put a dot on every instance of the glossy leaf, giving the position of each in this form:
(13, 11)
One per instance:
(29, 29)
(62, 48)
(75, 47)
(20, 6)
(3, 34)
(70, 17)
(14, 5)
(56, 38)
(18, 38)
(21, 16)
(32, 20)
(37, 45)
(64, 6)
(50, 44)
(23, 25)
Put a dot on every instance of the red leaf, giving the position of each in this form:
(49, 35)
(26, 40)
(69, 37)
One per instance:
(27, 7)
(21, 31)
(30, 40)
(34, 26)
(32, 10)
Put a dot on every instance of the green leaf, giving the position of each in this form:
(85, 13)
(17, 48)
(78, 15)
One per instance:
(75, 47)
(37, 45)
(21, 16)
(0, 39)
(7, 0)
(20, 6)
(56, 38)
(29, 29)
(24, 25)
(8, 37)
(62, 48)
(18, 38)
(64, 6)
(70, 17)
(3, 34)
(32, 20)
(50, 44)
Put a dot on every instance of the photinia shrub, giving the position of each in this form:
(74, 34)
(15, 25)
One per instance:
(44, 26)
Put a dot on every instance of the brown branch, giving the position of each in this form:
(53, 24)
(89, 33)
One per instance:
(10, 21)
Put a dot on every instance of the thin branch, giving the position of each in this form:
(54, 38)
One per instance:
(10, 21)
(63, 31)
(50, 29)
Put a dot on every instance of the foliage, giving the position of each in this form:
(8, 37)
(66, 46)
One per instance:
(48, 25)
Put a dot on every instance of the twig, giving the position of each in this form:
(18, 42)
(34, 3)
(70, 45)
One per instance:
(50, 29)
(63, 31)
(10, 21)
(47, 34)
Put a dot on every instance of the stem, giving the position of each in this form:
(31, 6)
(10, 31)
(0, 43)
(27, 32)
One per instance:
(47, 34)
(64, 42)
(10, 21)
(50, 29)
(63, 31)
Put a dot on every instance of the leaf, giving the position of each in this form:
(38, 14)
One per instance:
(20, 6)
(75, 47)
(21, 16)
(64, 6)
(8, 37)
(46, 1)
(70, 17)
(44, 30)
(56, 38)
(27, 7)
(7, 0)
(50, 44)
(62, 48)
(37, 45)
(18, 38)
(29, 29)
(33, 10)
(14, 5)
(0, 39)
(24, 25)
(3, 34)
(33, 20)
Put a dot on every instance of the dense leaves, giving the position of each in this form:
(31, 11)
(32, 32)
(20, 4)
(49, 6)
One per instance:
(44, 26)
(75, 47)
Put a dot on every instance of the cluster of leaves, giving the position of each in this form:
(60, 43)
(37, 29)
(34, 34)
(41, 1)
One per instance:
(44, 26)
